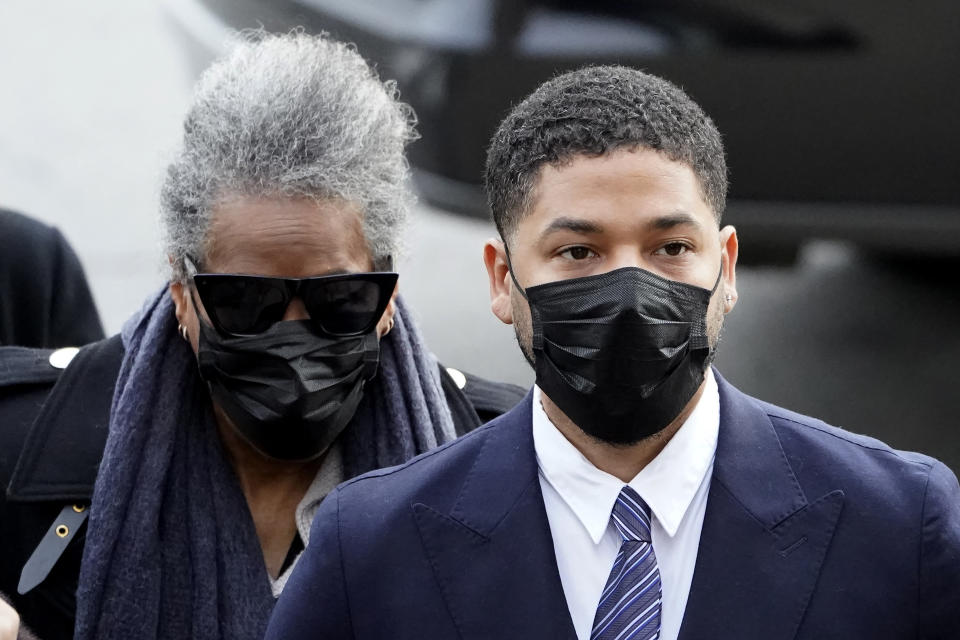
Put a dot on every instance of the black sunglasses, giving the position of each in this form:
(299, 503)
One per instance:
(348, 304)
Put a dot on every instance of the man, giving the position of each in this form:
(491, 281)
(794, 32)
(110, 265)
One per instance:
(634, 493)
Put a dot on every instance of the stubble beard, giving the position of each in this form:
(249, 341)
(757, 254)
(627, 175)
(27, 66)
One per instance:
(523, 327)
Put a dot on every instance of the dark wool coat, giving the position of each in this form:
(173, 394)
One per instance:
(44, 297)
(53, 427)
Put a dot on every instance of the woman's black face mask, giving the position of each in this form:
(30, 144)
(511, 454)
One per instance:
(291, 388)
(620, 353)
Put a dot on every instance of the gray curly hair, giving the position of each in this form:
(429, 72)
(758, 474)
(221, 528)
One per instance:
(292, 115)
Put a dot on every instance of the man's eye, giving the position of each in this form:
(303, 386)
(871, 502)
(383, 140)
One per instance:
(577, 253)
(674, 249)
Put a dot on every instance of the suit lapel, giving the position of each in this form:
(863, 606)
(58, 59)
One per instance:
(492, 553)
(762, 541)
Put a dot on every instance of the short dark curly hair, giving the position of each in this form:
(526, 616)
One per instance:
(593, 111)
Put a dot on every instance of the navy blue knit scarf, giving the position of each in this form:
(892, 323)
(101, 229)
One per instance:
(171, 549)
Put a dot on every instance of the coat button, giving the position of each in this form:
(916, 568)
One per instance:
(458, 377)
(60, 358)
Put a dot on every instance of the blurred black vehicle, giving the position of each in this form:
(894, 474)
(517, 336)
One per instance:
(841, 119)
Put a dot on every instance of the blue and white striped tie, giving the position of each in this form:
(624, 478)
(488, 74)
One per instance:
(629, 607)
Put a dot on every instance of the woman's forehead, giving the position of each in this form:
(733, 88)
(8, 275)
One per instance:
(293, 237)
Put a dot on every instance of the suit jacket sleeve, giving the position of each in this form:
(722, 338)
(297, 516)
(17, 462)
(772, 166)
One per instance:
(940, 556)
(314, 601)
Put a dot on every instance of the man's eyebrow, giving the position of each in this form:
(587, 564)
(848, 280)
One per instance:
(577, 225)
(671, 220)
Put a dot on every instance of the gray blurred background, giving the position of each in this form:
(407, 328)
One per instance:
(91, 99)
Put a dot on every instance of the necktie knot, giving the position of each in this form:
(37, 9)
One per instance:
(631, 602)
(631, 516)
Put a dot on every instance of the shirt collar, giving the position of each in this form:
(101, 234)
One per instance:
(328, 477)
(668, 484)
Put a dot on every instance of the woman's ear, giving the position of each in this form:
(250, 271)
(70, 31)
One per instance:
(386, 320)
(188, 325)
(498, 272)
(178, 294)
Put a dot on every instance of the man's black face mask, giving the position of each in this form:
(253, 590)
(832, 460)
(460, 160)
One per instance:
(620, 353)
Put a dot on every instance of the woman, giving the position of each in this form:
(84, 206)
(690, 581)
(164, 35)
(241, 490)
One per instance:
(278, 363)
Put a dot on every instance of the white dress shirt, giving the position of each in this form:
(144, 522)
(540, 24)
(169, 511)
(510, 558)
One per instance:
(579, 499)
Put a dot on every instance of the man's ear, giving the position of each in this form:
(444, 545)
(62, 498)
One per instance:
(729, 250)
(501, 284)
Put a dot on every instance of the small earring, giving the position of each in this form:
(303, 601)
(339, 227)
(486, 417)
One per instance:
(183, 332)
(729, 297)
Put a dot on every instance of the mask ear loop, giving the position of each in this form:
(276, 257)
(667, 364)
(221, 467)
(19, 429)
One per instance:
(371, 354)
(523, 293)
(717, 283)
(197, 309)
(191, 269)
(537, 331)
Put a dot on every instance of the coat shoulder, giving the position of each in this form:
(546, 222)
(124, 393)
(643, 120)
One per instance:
(54, 409)
(829, 439)
(904, 502)
(824, 456)
(491, 399)
(28, 365)
(420, 475)
(474, 400)
(26, 378)
(435, 477)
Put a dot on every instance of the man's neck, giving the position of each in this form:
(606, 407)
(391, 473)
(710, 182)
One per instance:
(621, 461)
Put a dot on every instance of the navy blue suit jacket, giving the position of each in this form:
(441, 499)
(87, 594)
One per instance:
(810, 532)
